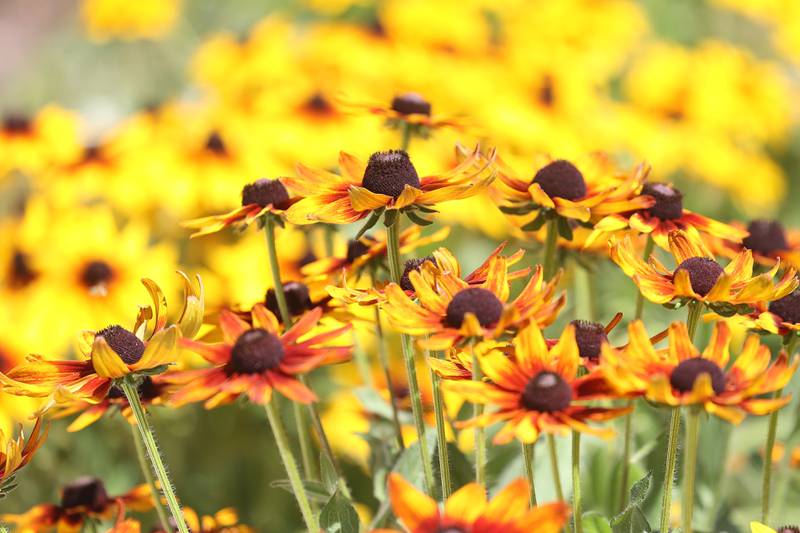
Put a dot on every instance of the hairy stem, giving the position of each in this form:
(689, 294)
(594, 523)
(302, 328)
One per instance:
(766, 484)
(528, 449)
(690, 466)
(147, 472)
(669, 469)
(441, 436)
(383, 357)
(549, 261)
(576, 482)
(480, 431)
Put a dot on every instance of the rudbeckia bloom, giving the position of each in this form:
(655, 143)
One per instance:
(781, 316)
(81, 500)
(769, 242)
(698, 277)
(17, 453)
(467, 510)
(223, 521)
(538, 389)
(254, 360)
(450, 311)
(758, 527)
(147, 19)
(33, 143)
(663, 217)
(682, 375)
(388, 181)
(412, 109)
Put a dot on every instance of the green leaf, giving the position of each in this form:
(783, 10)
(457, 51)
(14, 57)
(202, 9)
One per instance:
(536, 223)
(594, 522)
(564, 229)
(518, 209)
(339, 516)
(461, 471)
(328, 473)
(418, 220)
(391, 217)
(630, 519)
(409, 464)
(373, 402)
(315, 490)
(371, 221)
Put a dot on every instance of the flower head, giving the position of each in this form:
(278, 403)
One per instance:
(223, 521)
(411, 109)
(17, 453)
(767, 239)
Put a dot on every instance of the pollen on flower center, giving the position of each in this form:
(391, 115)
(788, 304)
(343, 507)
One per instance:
(297, 298)
(264, 192)
(669, 201)
(389, 172)
(561, 179)
(766, 236)
(546, 392)
(215, 144)
(486, 307)
(686, 373)
(125, 344)
(703, 273)
(411, 104)
(88, 492)
(589, 336)
(788, 307)
(411, 265)
(255, 351)
(96, 273)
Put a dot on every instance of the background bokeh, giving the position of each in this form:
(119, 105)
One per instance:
(121, 119)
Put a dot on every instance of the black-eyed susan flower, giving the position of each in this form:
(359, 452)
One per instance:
(253, 360)
(82, 500)
(148, 19)
(18, 452)
(449, 311)
(781, 316)
(698, 277)
(768, 240)
(538, 389)
(758, 527)
(31, 143)
(682, 375)
(387, 182)
(468, 510)
(413, 110)
(223, 521)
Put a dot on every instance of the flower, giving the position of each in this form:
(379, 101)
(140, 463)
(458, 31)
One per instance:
(700, 278)
(450, 311)
(18, 452)
(467, 509)
(681, 375)
(537, 389)
(663, 217)
(223, 521)
(758, 527)
(388, 181)
(412, 109)
(147, 19)
(83, 499)
(767, 239)
(34, 143)
(781, 316)
(254, 360)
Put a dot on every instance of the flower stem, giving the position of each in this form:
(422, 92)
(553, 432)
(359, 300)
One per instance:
(405, 139)
(149, 441)
(549, 261)
(480, 431)
(648, 250)
(441, 436)
(383, 357)
(528, 449)
(669, 469)
(693, 318)
(393, 250)
(291, 467)
(576, 482)
(551, 445)
(766, 485)
(690, 466)
(147, 472)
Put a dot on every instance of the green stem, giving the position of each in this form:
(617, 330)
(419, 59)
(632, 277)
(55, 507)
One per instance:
(626, 456)
(393, 249)
(669, 469)
(383, 357)
(766, 485)
(549, 261)
(528, 449)
(291, 467)
(648, 250)
(551, 445)
(304, 440)
(690, 466)
(405, 139)
(147, 472)
(330, 232)
(480, 431)
(146, 433)
(441, 436)
(693, 318)
(576, 482)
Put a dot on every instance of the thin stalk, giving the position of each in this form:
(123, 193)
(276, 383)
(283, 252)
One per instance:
(383, 357)
(669, 469)
(549, 261)
(576, 482)
(441, 436)
(551, 445)
(361, 358)
(290, 465)
(528, 450)
(393, 249)
(304, 440)
(766, 484)
(480, 431)
(149, 441)
(330, 231)
(405, 136)
(147, 472)
(648, 250)
(690, 466)
(693, 318)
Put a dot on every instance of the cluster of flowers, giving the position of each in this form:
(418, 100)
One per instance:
(479, 343)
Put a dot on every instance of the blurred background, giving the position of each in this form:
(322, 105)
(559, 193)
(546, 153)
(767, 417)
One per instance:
(121, 119)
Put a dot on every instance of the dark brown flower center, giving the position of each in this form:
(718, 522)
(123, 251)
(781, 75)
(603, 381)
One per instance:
(389, 172)
(482, 303)
(358, 247)
(215, 144)
(703, 273)
(318, 105)
(686, 373)
(88, 492)
(146, 388)
(546, 94)
(451, 529)
(561, 179)
(669, 201)
(590, 336)
(412, 265)
(265, 192)
(97, 272)
(546, 392)
(20, 272)
(297, 298)
(411, 104)
(125, 344)
(255, 351)
(788, 307)
(766, 236)
(788, 529)
(16, 123)
(92, 152)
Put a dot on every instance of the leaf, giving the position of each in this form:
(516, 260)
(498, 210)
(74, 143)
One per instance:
(391, 217)
(518, 209)
(371, 221)
(315, 490)
(461, 471)
(373, 403)
(564, 229)
(631, 518)
(339, 516)
(537, 223)
(328, 474)
(594, 522)
(418, 220)
(409, 464)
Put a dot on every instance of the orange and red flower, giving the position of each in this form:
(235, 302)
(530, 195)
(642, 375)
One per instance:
(411, 109)
(18, 453)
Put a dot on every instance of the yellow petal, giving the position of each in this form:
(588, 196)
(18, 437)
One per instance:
(106, 362)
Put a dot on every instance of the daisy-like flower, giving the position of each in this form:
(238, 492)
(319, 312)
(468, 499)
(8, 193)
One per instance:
(18, 452)
(388, 182)
(663, 217)
(781, 317)
(411, 109)
(223, 521)
(260, 198)
(254, 360)
(450, 311)
(82, 500)
(682, 375)
(111, 353)
(537, 390)
(468, 511)
(769, 242)
(758, 527)
(698, 277)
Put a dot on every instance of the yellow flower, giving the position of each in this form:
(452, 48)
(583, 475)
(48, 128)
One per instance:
(17, 452)
(34, 143)
(143, 19)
